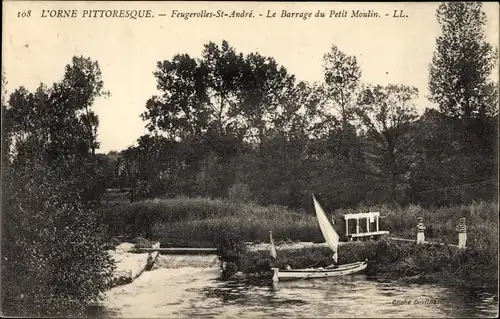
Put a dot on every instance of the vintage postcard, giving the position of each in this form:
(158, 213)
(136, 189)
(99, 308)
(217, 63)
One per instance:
(177, 159)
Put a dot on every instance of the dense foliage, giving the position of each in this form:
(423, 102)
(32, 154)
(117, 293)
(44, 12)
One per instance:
(54, 263)
(195, 222)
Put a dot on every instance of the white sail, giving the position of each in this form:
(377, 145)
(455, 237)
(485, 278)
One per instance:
(273, 248)
(330, 235)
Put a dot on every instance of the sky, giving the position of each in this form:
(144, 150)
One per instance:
(389, 50)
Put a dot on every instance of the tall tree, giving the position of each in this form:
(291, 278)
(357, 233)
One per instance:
(198, 95)
(181, 110)
(342, 75)
(265, 90)
(462, 64)
(82, 84)
(57, 125)
(57, 122)
(221, 100)
(386, 113)
(460, 83)
(223, 69)
(223, 92)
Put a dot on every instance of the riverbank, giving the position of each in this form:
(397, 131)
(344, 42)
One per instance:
(201, 222)
(471, 268)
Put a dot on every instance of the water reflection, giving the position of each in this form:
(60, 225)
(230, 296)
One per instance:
(174, 293)
(350, 296)
(249, 293)
(473, 303)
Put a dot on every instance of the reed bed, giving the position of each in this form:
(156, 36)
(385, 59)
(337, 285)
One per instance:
(190, 221)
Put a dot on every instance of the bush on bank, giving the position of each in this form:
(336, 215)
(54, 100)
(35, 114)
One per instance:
(53, 263)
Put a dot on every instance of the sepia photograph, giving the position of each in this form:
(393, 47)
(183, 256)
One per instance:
(230, 159)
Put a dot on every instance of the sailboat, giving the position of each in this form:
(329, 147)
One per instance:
(332, 239)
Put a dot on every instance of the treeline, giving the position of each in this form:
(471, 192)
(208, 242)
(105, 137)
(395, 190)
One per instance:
(436, 169)
(241, 126)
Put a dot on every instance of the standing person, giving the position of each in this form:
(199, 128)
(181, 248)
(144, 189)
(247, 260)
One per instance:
(420, 231)
(462, 233)
(274, 256)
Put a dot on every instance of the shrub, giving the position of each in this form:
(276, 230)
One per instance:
(54, 262)
(230, 248)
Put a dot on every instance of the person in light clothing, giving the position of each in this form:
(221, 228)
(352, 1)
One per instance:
(273, 262)
(420, 231)
(462, 233)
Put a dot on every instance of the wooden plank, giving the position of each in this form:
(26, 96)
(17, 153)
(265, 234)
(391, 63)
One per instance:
(154, 256)
(426, 242)
(403, 239)
(176, 250)
(361, 215)
(374, 233)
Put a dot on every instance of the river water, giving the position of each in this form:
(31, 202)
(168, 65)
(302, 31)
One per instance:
(198, 292)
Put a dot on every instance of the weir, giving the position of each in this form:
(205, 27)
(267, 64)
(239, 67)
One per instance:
(179, 261)
(131, 264)
(178, 251)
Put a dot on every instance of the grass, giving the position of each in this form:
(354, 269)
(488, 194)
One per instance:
(199, 222)
(194, 221)
(191, 221)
